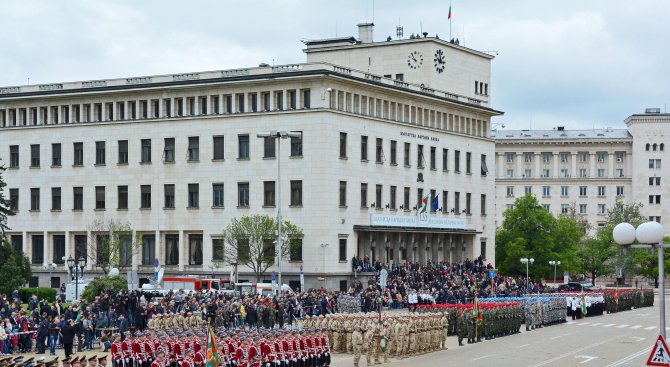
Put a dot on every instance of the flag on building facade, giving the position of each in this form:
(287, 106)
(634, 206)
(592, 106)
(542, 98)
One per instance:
(423, 205)
(436, 203)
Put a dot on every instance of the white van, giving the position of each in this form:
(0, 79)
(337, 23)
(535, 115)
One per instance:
(263, 289)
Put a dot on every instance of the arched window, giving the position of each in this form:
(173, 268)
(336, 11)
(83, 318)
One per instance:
(648, 147)
(660, 147)
(654, 147)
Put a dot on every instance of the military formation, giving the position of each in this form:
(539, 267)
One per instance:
(235, 347)
(623, 300)
(91, 361)
(349, 304)
(178, 320)
(397, 334)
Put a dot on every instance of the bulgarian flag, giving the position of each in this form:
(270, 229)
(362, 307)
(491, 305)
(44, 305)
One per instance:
(449, 16)
(213, 359)
(423, 205)
(583, 303)
(475, 309)
(382, 340)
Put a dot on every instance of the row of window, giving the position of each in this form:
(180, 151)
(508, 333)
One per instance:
(565, 191)
(380, 155)
(169, 151)
(437, 203)
(83, 245)
(582, 208)
(582, 157)
(158, 108)
(564, 173)
(654, 147)
(169, 202)
(407, 113)
(481, 88)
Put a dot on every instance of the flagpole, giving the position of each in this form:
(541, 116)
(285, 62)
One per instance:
(449, 20)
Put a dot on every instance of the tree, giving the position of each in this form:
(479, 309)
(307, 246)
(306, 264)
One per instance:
(103, 283)
(14, 268)
(111, 244)
(251, 240)
(5, 207)
(594, 258)
(529, 230)
(645, 261)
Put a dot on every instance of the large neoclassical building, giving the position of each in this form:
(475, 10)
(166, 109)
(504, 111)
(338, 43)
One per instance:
(384, 125)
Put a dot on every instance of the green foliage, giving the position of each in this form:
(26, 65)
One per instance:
(594, 258)
(48, 294)
(100, 284)
(14, 268)
(528, 230)
(5, 210)
(646, 261)
(250, 241)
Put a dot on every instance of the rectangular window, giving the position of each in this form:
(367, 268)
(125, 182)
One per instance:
(582, 172)
(195, 249)
(306, 98)
(148, 249)
(78, 154)
(296, 146)
(510, 157)
(193, 148)
(546, 191)
(243, 146)
(38, 249)
(468, 163)
(146, 150)
(343, 145)
(122, 195)
(602, 209)
(433, 158)
(468, 196)
(243, 194)
(420, 161)
(269, 147)
(564, 191)
(378, 197)
(243, 250)
(218, 148)
(56, 154)
(484, 168)
(601, 190)
(55, 198)
(445, 160)
(296, 193)
(619, 190)
(218, 253)
(58, 249)
(14, 156)
(601, 172)
(123, 151)
(77, 198)
(343, 193)
(482, 202)
(582, 208)
(295, 249)
(100, 152)
(582, 191)
(405, 199)
(620, 156)
(100, 197)
(601, 157)
(564, 157)
(582, 157)
(269, 193)
(379, 151)
(528, 172)
(80, 245)
(171, 249)
(528, 157)
(407, 154)
(217, 195)
(565, 208)
(510, 173)
(457, 161)
(392, 197)
(342, 250)
(564, 173)
(528, 189)
(618, 172)
(546, 157)
(364, 195)
(457, 202)
(193, 195)
(35, 155)
(169, 196)
(394, 152)
(510, 191)
(168, 150)
(35, 199)
(145, 196)
(364, 148)
(545, 173)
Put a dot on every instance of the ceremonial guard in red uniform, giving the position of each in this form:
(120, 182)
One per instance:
(161, 359)
(118, 358)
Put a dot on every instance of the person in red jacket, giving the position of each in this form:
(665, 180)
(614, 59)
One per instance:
(267, 352)
(188, 360)
(127, 346)
(139, 352)
(161, 360)
(118, 359)
(242, 354)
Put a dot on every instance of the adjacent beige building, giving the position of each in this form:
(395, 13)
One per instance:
(177, 157)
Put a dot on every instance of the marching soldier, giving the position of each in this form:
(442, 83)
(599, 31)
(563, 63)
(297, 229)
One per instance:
(357, 344)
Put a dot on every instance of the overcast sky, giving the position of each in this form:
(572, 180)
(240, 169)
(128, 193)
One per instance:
(577, 63)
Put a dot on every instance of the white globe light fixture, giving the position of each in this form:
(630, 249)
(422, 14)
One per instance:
(650, 232)
(624, 234)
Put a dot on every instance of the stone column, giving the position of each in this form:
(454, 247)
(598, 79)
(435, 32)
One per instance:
(207, 251)
(182, 251)
(519, 165)
(573, 164)
(196, 108)
(298, 100)
(610, 164)
(592, 164)
(135, 259)
(284, 97)
(538, 171)
(158, 249)
(90, 260)
(68, 252)
(25, 245)
(45, 248)
(557, 158)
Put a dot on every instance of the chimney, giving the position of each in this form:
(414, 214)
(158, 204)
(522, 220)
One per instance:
(365, 32)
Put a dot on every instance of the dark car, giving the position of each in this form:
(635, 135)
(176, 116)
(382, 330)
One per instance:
(577, 287)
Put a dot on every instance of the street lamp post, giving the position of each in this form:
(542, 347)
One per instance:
(76, 266)
(554, 263)
(649, 235)
(525, 260)
(277, 135)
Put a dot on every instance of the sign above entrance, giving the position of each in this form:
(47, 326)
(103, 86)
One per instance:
(416, 221)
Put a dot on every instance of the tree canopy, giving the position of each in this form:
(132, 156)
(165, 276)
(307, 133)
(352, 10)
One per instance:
(14, 268)
(111, 244)
(529, 230)
(250, 241)
(5, 207)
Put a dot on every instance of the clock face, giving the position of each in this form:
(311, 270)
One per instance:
(415, 59)
(439, 61)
